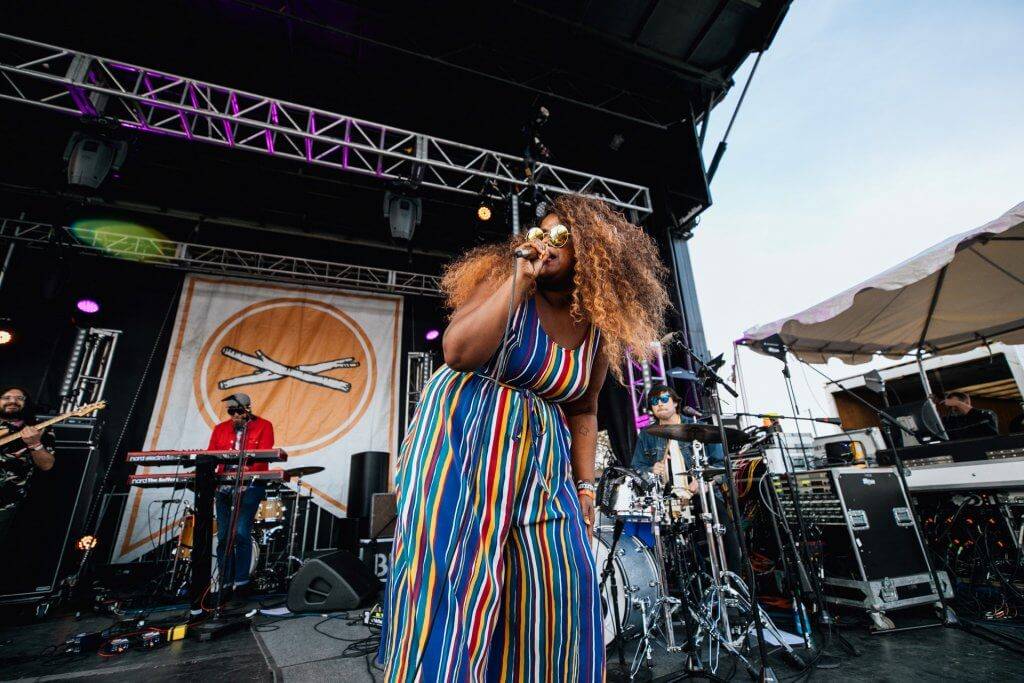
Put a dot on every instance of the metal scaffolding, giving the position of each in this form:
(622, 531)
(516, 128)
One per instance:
(143, 99)
(203, 258)
(641, 376)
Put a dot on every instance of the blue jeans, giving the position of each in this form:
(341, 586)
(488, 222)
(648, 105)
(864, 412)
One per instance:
(236, 571)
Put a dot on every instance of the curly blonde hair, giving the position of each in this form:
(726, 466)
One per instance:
(619, 276)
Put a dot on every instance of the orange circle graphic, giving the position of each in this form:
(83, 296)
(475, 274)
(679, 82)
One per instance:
(308, 367)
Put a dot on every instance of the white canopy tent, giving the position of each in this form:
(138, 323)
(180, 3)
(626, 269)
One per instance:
(965, 291)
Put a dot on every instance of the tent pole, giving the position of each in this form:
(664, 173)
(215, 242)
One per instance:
(925, 384)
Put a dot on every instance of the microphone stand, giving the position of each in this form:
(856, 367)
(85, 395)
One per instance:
(236, 510)
(223, 623)
(771, 416)
(711, 381)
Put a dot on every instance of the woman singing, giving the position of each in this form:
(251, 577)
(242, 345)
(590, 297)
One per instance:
(493, 577)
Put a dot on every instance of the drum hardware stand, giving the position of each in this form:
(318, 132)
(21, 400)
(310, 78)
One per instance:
(795, 578)
(711, 381)
(801, 549)
(292, 531)
(693, 661)
(713, 617)
(179, 550)
(665, 603)
(609, 573)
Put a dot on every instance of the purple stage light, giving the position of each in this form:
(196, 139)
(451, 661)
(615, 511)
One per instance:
(432, 334)
(87, 306)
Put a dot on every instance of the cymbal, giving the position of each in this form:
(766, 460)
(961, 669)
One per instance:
(299, 472)
(697, 432)
(710, 472)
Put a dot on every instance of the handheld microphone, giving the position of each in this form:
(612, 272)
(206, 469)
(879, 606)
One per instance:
(529, 253)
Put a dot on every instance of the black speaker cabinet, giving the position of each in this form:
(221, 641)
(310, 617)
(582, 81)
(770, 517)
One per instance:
(334, 582)
(368, 474)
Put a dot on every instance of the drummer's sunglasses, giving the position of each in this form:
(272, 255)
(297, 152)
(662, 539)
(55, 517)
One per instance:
(558, 235)
(663, 398)
(234, 410)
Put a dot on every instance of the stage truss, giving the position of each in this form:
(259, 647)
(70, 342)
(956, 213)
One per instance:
(144, 99)
(202, 258)
(641, 376)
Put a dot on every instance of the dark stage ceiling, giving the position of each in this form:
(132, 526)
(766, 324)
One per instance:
(474, 73)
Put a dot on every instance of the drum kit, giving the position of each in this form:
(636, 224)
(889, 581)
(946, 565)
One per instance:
(276, 536)
(661, 559)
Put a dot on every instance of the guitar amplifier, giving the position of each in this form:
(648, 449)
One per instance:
(375, 551)
(873, 553)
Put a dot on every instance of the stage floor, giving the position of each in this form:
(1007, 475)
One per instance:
(312, 648)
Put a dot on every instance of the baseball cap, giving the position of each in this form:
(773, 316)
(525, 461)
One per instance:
(238, 399)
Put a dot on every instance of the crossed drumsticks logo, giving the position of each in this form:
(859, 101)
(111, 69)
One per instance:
(269, 370)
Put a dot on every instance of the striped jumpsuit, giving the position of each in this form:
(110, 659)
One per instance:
(493, 578)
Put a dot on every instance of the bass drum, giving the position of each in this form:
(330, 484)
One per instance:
(254, 561)
(636, 577)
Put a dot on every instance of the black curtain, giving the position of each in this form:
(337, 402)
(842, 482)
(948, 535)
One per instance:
(39, 295)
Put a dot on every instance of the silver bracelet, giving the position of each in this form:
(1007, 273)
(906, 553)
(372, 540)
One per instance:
(584, 485)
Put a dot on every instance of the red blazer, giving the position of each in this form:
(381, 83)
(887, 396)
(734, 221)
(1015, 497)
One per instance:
(260, 435)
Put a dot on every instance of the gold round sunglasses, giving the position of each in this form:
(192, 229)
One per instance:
(557, 236)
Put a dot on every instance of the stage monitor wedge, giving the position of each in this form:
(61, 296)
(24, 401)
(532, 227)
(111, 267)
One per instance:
(334, 582)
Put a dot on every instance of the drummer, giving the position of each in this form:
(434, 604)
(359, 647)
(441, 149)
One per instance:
(651, 451)
(662, 456)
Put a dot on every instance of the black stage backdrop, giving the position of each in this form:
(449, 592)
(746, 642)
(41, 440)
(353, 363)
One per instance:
(39, 295)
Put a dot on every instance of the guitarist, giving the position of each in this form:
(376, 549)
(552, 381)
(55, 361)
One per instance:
(19, 459)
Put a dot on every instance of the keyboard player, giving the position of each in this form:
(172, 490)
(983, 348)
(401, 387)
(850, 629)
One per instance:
(228, 435)
(963, 421)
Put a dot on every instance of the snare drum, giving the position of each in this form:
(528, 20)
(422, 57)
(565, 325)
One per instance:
(270, 511)
(254, 561)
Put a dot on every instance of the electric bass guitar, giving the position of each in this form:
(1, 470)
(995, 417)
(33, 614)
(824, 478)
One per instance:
(7, 436)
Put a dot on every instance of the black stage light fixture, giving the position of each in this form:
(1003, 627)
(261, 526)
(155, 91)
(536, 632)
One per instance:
(91, 158)
(615, 144)
(403, 213)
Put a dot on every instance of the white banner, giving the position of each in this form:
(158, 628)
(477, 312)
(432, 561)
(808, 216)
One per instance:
(321, 365)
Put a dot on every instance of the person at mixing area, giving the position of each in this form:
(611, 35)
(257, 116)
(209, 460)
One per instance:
(241, 427)
(963, 421)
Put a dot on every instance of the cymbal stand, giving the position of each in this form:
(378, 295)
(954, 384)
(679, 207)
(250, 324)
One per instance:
(292, 528)
(726, 588)
(665, 603)
(677, 510)
(712, 617)
(711, 381)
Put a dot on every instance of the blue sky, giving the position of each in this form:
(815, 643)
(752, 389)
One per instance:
(872, 130)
